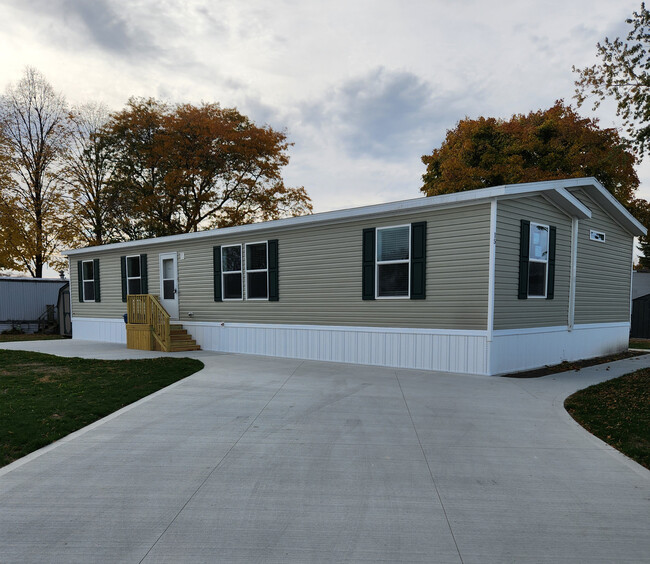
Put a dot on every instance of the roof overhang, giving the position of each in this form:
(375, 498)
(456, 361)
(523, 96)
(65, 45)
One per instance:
(554, 190)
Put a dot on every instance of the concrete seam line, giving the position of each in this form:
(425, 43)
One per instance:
(426, 460)
(220, 462)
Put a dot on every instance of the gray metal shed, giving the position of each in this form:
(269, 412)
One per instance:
(25, 301)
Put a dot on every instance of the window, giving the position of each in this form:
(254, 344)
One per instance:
(393, 262)
(257, 274)
(232, 272)
(538, 260)
(88, 281)
(135, 279)
(256, 268)
(133, 275)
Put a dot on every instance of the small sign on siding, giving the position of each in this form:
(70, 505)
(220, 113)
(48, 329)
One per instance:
(597, 236)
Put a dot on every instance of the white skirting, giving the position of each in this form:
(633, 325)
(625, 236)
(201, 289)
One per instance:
(514, 350)
(428, 349)
(99, 329)
(467, 352)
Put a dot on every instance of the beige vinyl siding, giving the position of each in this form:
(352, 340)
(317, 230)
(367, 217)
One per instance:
(110, 280)
(320, 276)
(603, 271)
(509, 311)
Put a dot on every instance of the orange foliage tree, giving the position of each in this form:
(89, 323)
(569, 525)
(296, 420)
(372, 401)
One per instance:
(183, 168)
(543, 145)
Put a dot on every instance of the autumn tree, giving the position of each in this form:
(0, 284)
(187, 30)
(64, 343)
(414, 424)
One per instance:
(34, 121)
(183, 168)
(623, 74)
(543, 145)
(8, 258)
(87, 173)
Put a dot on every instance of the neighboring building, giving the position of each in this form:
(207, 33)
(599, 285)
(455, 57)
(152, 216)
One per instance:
(63, 311)
(487, 281)
(640, 327)
(24, 302)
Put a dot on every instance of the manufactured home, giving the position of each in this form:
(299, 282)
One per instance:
(487, 281)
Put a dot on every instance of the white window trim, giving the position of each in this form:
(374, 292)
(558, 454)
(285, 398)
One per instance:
(548, 250)
(245, 267)
(242, 259)
(382, 262)
(139, 257)
(84, 280)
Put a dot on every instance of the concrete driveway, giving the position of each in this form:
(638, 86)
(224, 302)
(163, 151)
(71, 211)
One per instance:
(258, 459)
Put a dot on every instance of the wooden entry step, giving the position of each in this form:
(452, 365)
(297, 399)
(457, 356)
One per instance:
(181, 340)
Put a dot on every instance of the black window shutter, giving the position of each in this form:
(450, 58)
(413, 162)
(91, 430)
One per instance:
(550, 288)
(123, 271)
(98, 297)
(368, 268)
(216, 269)
(418, 260)
(274, 290)
(81, 280)
(524, 244)
(144, 275)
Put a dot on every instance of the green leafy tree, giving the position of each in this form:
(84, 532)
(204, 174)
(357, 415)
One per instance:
(623, 74)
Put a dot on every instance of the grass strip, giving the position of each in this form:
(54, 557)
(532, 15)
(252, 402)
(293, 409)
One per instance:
(12, 337)
(617, 412)
(44, 397)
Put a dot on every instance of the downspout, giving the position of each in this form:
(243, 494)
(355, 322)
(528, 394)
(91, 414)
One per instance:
(491, 282)
(572, 279)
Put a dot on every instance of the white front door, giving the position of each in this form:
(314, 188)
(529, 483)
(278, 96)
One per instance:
(169, 284)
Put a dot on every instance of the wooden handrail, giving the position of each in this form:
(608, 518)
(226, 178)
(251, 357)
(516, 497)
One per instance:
(146, 309)
(160, 323)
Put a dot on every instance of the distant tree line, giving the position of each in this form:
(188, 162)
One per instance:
(82, 176)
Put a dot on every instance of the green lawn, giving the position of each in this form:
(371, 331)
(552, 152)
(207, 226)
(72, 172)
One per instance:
(640, 343)
(618, 412)
(45, 397)
(9, 338)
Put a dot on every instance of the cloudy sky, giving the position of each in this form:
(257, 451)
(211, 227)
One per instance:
(362, 87)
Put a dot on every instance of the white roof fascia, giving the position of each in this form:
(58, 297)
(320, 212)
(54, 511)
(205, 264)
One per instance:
(604, 198)
(564, 199)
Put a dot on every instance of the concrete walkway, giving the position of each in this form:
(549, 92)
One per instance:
(259, 459)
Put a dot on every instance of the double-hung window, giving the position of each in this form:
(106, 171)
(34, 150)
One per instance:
(257, 272)
(134, 275)
(538, 260)
(393, 262)
(231, 272)
(247, 271)
(88, 281)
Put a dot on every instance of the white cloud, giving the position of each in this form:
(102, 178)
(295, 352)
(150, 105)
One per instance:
(364, 88)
